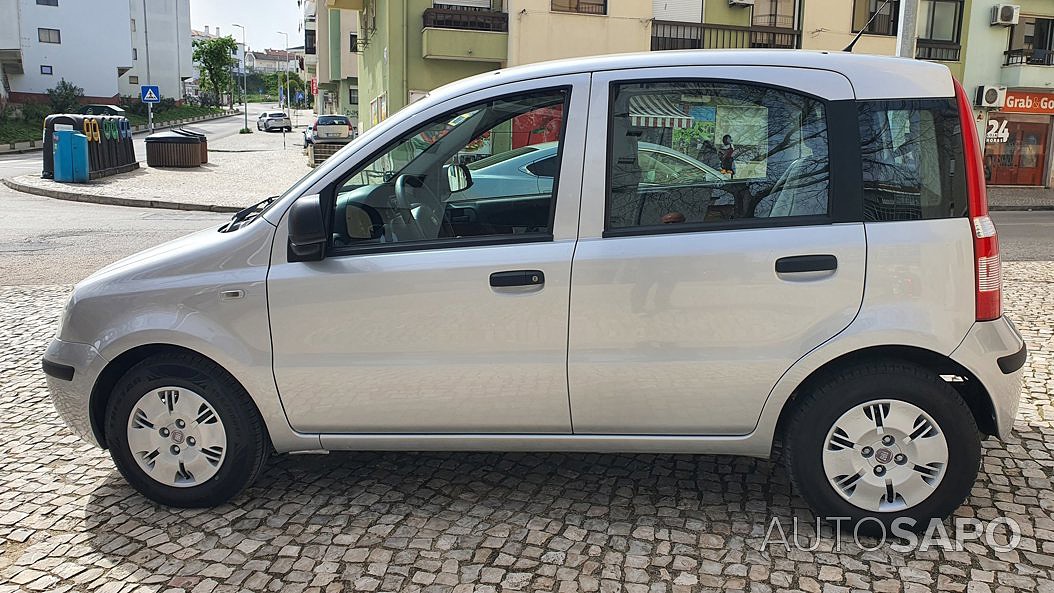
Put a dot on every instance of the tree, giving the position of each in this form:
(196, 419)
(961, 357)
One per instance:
(65, 97)
(215, 59)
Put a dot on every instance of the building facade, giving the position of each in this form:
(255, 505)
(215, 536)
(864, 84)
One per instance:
(161, 47)
(1018, 131)
(331, 57)
(44, 41)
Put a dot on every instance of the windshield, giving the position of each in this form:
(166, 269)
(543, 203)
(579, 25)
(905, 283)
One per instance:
(332, 120)
(501, 157)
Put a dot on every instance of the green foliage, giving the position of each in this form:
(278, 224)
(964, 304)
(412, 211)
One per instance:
(245, 131)
(215, 59)
(65, 97)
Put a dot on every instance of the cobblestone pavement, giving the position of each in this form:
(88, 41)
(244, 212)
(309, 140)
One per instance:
(484, 522)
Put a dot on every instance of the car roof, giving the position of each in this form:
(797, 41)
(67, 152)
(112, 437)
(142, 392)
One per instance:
(872, 77)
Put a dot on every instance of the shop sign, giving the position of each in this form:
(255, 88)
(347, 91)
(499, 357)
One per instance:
(1026, 102)
(997, 131)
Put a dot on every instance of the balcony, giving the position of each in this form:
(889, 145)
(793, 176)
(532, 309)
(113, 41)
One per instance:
(938, 51)
(463, 34)
(673, 35)
(1028, 68)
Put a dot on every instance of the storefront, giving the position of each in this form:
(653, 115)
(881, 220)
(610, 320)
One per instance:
(1018, 140)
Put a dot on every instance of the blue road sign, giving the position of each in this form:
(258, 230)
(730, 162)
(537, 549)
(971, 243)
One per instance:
(150, 94)
(299, 96)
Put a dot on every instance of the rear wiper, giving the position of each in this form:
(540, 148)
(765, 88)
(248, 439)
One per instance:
(246, 212)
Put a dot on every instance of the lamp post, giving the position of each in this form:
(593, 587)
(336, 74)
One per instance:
(245, 97)
(285, 58)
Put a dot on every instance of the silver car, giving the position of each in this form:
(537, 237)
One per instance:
(274, 120)
(846, 301)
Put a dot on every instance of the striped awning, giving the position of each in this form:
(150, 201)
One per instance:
(657, 111)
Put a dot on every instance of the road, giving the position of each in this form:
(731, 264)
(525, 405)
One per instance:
(1026, 235)
(30, 162)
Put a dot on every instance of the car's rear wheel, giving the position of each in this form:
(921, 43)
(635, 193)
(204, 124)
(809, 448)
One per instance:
(883, 441)
(183, 432)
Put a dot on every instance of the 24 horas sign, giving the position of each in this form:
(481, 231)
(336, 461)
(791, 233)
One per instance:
(1026, 102)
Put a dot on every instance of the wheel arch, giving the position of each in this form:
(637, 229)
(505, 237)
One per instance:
(965, 383)
(116, 368)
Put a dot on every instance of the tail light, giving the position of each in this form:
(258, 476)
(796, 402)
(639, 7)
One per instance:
(988, 277)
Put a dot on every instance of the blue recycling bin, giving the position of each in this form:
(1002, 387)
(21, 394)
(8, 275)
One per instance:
(70, 150)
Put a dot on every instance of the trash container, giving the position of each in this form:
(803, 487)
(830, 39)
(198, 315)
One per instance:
(70, 156)
(191, 132)
(171, 149)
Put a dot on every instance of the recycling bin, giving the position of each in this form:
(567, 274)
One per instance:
(202, 139)
(70, 156)
(171, 149)
(109, 137)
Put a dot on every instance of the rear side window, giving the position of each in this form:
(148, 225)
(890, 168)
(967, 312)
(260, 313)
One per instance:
(912, 160)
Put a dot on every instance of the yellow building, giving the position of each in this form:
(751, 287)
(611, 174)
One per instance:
(832, 24)
(541, 30)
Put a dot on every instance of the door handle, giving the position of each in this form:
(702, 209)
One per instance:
(517, 278)
(806, 263)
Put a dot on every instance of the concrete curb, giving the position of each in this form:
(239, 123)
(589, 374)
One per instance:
(114, 201)
(34, 145)
(1021, 208)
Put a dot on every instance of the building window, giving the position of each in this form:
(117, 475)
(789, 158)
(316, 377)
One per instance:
(133, 80)
(46, 70)
(581, 6)
(774, 13)
(354, 43)
(309, 42)
(1032, 42)
(135, 53)
(940, 20)
(47, 2)
(133, 25)
(882, 15)
(49, 36)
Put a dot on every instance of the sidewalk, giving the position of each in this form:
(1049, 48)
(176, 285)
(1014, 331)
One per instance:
(242, 169)
(1020, 198)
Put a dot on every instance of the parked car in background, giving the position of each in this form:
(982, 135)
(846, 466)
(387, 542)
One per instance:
(328, 127)
(850, 309)
(274, 120)
(100, 109)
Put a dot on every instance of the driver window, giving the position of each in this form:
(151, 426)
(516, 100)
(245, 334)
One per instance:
(461, 175)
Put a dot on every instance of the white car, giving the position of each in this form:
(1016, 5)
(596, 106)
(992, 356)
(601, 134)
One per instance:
(848, 304)
(274, 120)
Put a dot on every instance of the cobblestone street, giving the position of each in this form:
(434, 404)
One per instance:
(484, 522)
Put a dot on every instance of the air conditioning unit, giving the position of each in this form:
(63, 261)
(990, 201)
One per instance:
(741, 2)
(1006, 14)
(991, 96)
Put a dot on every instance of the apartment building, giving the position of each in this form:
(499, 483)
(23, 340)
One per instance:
(1008, 65)
(331, 55)
(44, 41)
(161, 47)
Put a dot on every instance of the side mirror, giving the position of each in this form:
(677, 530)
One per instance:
(307, 229)
(459, 178)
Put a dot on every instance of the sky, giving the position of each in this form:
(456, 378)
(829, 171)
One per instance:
(262, 20)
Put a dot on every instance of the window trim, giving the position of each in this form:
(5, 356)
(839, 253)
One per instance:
(843, 151)
(958, 25)
(329, 193)
(50, 72)
(40, 34)
(895, 28)
(135, 81)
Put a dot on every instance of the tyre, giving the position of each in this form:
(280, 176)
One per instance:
(880, 442)
(183, 432)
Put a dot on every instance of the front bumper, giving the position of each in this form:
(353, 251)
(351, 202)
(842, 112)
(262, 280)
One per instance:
(995, 353)
(72, 370)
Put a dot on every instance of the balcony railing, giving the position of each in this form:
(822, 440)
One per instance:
(783, 21)
(1031, 57)
(940, 51)
(471, 20)
(673, 35)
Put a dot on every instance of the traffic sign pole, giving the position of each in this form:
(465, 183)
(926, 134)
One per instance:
(150, 117)
(150, 94)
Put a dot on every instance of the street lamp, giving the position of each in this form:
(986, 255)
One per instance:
(245, 97)
(286, 60)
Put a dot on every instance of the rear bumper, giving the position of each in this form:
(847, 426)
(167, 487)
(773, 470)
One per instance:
(995, 353)
(71, 371)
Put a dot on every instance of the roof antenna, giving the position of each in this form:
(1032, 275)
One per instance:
(849, 48)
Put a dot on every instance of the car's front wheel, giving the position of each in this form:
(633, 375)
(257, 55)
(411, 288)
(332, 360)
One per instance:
(880, 442)
(183, 432)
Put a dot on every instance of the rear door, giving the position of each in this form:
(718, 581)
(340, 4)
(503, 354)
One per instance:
(690, 297)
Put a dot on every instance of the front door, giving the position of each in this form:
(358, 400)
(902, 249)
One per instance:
(437, 309)
(696, 286)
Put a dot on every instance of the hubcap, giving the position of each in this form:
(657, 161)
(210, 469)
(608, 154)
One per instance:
(176, 437)
(885, 455)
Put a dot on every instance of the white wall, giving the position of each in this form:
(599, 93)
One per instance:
(89, 54)
(166, 27)
(9, 38)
